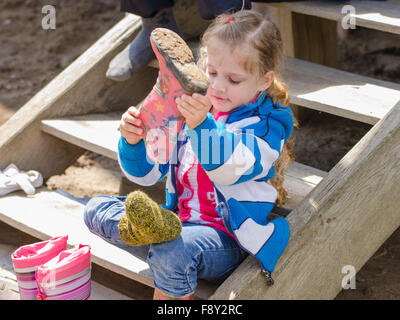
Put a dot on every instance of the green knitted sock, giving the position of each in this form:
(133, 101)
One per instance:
(129, 234)
(145, 222)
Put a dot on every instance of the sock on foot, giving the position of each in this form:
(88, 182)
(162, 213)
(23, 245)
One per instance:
(145, 222)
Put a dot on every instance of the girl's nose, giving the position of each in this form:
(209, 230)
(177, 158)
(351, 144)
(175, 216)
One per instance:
(217, 85)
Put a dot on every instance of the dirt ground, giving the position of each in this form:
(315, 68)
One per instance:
(30, 57)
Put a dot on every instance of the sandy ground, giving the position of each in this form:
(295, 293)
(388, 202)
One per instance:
(30, 57)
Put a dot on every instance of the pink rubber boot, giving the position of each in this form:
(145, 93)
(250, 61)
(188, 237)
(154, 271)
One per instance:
(66, 276)
(28, 258)
(178, 74)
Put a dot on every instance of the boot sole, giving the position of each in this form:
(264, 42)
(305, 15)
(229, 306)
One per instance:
(179, 59)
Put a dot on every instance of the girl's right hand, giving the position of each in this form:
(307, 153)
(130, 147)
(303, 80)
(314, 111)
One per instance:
(131, 127)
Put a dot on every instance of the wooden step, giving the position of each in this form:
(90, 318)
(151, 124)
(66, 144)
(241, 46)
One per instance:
(95, 132)
(379, 15)
(334, 91)
(48, 213)
(338, 92)
(99, 133)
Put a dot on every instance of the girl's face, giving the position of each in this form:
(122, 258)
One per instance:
(230, 84)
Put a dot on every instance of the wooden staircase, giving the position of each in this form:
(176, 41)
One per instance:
(333, 215)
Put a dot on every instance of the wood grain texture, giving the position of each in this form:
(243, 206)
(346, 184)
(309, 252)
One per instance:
(81, 88)
(99, 133)
(338, 92)
(343, 221)
(379, 15)
(48, 214)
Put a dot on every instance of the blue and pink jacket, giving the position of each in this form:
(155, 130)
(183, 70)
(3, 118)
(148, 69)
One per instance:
(225, 162)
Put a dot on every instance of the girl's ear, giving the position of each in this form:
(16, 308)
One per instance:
(266, 80)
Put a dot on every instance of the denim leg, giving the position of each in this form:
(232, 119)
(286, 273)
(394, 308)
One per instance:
(199, 252)
(102, 215)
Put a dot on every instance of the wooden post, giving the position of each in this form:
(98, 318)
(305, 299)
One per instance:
(315, 39)
(305, 37)
(343, 221)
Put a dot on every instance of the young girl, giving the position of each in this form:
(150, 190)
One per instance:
(228, 173)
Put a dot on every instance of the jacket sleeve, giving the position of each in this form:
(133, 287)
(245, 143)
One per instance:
(231, 157)
(136, 166)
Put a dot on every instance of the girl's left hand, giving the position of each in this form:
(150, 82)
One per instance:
(193, 108)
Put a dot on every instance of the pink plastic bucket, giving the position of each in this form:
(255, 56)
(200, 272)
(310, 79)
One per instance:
(65, 277)
(28, 258)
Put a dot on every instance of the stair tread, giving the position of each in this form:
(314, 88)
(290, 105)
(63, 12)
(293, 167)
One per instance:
(95, 132)
(98, 133)
(335, 91)
(338, 92)
(379, 15)
(48, 214)
(55, 214)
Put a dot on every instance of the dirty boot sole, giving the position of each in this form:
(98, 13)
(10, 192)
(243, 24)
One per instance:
(179, 60)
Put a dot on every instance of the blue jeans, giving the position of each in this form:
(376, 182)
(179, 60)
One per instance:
(199, 252)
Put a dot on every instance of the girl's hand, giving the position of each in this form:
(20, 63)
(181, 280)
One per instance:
(131, 127)
(193, 108)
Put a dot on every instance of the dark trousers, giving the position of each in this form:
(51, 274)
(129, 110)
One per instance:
(208, 9)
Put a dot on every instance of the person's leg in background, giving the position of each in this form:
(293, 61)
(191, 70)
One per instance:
(137, 55)
(158, 13)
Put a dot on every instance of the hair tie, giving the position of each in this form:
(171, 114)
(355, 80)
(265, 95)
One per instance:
(229, 20)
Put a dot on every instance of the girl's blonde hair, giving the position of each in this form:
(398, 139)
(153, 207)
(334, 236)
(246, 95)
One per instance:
(251, 28)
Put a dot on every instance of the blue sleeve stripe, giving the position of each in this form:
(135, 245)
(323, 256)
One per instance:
(149, 179)
(136, 166)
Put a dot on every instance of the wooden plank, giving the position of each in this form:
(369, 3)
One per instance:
(284, 21)
(315, 40)
(343, 221)
(338, 92)
(379, 15)
(81, 88)
(47, 214)
(334, 91)
(98, 133)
